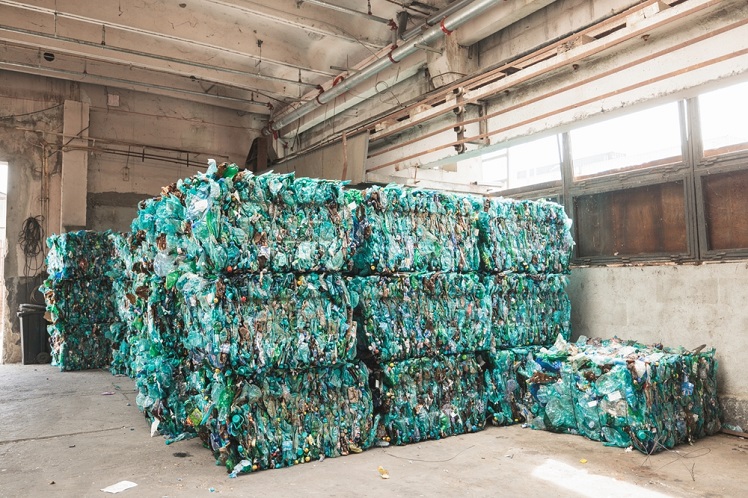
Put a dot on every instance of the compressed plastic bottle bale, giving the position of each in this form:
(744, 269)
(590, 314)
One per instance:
(507, 397)
(421, 314)
(81, 254)
(400, 229)
(226, 220)
(524, 236)
(685, 407)
(430, 398)
(269, 321)
(284, 418)
(528, 309)
(80, 346)
(622, 393)
(291, 321)
(80, 301)
(310, 223)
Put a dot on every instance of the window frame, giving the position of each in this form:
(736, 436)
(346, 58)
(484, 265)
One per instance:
(712, 166)
(691, 170)
(643, 181)
(518, 191)
(672, 161)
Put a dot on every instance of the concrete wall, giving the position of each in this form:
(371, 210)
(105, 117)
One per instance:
(118, 182)
(158, 132)
(24, 152)
(686, 305)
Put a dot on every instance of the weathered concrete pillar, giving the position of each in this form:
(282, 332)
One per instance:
(74, 185)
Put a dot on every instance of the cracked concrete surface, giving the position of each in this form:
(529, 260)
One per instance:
(62, 436)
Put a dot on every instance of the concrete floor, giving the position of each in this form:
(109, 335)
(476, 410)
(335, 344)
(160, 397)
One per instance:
(60, 436)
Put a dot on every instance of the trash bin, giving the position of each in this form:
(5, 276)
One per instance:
(34, 338)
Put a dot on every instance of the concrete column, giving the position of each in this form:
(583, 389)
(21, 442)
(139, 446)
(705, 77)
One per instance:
(74, 184)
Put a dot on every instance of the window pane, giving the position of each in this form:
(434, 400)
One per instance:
(636, 221)
(724, 119)
(725, 205)
(494, 169)
(522, 165)
(636, 139)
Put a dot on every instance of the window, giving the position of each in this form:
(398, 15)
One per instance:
(531, 163)
(636, 221)
(692, 210)
(725, 205)
(3, 201)
(639, 139)
(3, 213)
(724, 120)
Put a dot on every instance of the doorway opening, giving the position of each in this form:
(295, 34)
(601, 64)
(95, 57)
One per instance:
(3, 251)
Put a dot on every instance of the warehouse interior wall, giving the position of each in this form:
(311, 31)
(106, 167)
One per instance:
(136, 143)
(675, 305)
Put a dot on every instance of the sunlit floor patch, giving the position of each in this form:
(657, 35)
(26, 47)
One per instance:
(586, 484)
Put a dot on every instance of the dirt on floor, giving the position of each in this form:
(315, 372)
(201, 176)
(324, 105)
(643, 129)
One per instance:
(74, 433)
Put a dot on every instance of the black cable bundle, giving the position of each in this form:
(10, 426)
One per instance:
(30, 237)
(31, 240)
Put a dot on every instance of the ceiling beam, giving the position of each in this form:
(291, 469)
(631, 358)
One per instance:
(277, 87)
(29, 60)
(279, 13)
(179, 33)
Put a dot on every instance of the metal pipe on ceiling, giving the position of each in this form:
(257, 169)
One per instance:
(346, 10)
(445, 27)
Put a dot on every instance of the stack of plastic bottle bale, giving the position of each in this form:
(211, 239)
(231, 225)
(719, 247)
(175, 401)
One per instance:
(620, 392)
(526, 249)
(249, 340)
(433, 299)
(130, 294)
(80, 300)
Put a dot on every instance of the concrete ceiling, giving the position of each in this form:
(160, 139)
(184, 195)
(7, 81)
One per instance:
(243, 54)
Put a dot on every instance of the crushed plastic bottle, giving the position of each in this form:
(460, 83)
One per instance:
(429, 398)
(622, 393)
(532, 237)
(80, 299)
(421, 314)
(400, 229)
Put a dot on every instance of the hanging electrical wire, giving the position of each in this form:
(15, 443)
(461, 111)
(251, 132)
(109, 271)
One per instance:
(30, 237)
(31, 240)
(14, 116)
